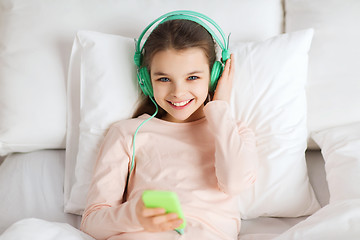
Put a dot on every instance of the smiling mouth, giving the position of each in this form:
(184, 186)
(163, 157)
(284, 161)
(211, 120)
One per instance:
(180, 104)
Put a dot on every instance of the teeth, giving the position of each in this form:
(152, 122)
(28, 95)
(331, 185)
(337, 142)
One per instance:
(180, 104)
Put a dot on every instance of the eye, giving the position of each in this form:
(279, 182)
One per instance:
(164, 79)
(193, 77)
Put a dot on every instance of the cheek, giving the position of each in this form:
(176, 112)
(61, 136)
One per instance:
(206, 85)
(156, 91)
(201, 90)
(159, 91)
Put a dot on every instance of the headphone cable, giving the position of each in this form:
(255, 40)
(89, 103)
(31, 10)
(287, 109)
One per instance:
(133, 142)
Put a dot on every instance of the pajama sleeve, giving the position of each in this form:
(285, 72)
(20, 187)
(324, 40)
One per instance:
(105, 214)
(236, 157)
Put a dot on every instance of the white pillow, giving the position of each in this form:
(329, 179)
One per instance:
(108, 92)
(340, 147)
(268, 95)
(36, 38)
(333, 86)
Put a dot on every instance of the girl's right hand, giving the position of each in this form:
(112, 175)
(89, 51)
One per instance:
(225, 82)
(155, 219)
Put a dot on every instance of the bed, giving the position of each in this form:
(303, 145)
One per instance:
(36, 181)
(297, 85)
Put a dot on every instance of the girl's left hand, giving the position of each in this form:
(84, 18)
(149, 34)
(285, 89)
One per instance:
(156, 219)
(225, 82)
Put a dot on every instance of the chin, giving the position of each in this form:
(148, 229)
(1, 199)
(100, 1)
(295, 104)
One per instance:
(180, 119)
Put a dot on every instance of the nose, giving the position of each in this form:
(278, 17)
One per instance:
(178, 89)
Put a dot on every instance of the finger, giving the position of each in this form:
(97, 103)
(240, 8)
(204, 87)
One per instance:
(227, 66)
(232, 67)
(176, 223)
(164, 218)
(230, 63)
(225, 73)
(170, 225)
(151, 212)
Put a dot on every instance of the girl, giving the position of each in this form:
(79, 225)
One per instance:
(192, 147)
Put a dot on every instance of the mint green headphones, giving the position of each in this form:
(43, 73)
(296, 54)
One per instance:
(217, 69)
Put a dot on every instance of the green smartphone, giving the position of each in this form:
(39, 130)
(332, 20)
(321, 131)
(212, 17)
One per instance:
(167, 200)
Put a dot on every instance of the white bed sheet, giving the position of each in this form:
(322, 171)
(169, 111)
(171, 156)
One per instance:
(31, 186)
(2, 158)
(317, 175)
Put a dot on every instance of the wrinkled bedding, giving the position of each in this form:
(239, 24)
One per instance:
(33, 187)
(37, 229)
(339, 220)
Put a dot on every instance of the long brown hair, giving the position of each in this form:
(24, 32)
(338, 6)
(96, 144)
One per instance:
(179, 35)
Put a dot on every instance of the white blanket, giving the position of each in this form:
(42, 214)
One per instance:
(335, 221)
(37, 229)
(340, 220)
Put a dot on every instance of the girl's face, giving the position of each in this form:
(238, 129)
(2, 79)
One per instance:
(180, 80)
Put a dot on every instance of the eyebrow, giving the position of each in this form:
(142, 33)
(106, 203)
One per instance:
(165, 74)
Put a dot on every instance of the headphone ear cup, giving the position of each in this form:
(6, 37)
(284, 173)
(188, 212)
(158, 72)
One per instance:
(145, 82)
(216, 72)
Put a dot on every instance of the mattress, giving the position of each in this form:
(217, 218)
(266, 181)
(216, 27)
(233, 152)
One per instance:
(31, 186)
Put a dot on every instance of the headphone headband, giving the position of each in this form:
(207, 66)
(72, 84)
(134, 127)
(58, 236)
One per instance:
(187, 15)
